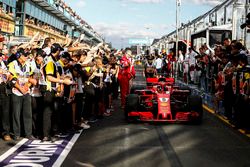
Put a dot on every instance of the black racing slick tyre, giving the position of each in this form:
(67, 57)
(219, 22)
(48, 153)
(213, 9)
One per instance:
(195, 104)
(137, 87)
(132, 103)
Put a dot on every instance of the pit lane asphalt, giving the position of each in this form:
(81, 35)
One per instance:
(111, 142)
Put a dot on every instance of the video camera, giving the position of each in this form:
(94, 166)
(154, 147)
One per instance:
(247, 23)
(247, 69)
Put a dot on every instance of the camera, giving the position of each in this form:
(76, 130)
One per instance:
(247, 23)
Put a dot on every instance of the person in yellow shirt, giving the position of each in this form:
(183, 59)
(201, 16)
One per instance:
(52, 78)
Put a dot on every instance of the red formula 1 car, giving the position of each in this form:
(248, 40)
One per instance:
(163, 101)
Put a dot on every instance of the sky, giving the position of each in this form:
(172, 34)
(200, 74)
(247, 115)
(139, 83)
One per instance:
(117, 21)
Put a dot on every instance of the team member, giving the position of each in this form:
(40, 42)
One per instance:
(126, 73)
(89, 92)
(158, 64)
(229, 69)
(240, 85)
(114, 69)
(191, 61)
(150, 69)
(77, 105)
(52, 78)
(21, 99)
(111, 84)
(60, 104)
(81, 117)
(4, 100)
(47, 45)
(66, 111)
(97, 80)
(107, 91)
(37, 90)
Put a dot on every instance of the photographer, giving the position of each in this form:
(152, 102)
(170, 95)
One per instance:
(247, 23)
(241, 115)
(191, 62)
(203, 61)
(150, 68)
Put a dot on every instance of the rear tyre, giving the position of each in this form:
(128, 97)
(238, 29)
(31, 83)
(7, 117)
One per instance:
(195, 104)
(132, 103)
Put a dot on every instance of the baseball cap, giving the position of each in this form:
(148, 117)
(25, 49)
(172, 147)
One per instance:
(55, 47)
(41, 53)
(243, 57)
(21, 52)
(77, 68)
(66, 56)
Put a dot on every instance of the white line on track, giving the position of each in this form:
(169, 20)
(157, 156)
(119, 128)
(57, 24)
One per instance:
(12, 150)
(66, 150)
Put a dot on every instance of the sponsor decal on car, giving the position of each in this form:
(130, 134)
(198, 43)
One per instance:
(164, 104)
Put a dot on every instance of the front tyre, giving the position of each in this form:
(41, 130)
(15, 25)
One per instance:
(195, 105)
(132, 103)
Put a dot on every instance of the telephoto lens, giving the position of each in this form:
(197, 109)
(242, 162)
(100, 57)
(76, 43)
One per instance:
(247, 23)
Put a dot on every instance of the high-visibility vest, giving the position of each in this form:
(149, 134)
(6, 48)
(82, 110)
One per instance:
(22, 73)
(50, 85)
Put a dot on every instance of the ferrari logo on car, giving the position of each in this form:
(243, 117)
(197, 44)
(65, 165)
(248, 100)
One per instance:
(164, 99)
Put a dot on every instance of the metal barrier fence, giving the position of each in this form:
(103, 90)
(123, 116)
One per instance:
(208, 99)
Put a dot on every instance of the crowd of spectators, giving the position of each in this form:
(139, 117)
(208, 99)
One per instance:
(43, 26)
(224, 73)
(51, 89)
(7, 13)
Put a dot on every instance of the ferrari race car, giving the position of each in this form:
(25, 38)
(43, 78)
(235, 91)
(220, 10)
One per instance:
(160, 100)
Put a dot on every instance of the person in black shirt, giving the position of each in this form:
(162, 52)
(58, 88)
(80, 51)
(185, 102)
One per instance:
(4, 100)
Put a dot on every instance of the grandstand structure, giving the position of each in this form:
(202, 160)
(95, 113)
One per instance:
(52, 18)
(225, 17)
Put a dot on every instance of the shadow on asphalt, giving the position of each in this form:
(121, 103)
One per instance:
(114, 142)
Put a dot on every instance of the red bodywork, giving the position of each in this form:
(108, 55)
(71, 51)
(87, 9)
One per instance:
(157, 103)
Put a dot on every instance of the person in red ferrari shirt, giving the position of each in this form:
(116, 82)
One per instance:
(126, 73)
